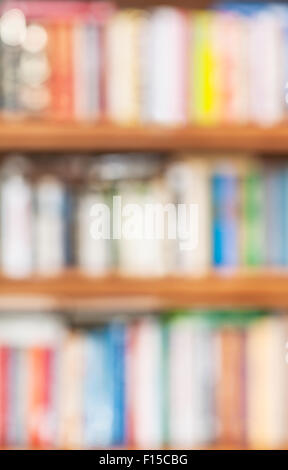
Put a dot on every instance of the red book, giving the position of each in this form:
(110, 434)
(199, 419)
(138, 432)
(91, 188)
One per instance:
(4, 394)
(48, 427)
(39, 396)
(132, 334)
(103, 68)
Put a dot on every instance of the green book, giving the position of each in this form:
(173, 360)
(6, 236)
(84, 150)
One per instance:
(253, 218)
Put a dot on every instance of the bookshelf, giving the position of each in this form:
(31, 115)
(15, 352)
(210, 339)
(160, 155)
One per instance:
(81, 297)
(75, 289)
(63, 136)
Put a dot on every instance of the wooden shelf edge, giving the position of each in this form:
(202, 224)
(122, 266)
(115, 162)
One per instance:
(68, 136)
(75, 290)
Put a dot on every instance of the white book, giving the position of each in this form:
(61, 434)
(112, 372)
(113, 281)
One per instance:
(144, 383)
(16, 237)
(205, 348)
(191, 352)
(189, 182)
(166, 62)
(86, 49)
(122, 61)
(181, 416)
(266, 65)
(93, 253)
(49, 226)
(143, 253)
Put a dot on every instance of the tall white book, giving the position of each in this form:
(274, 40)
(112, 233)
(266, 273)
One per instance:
(141, 249)
(49, 225)
(144, 383)
(188, 180)
(16, 228)
(191, 353)
(165, 51)
(92, 246)
(265, 67)
(87, 64)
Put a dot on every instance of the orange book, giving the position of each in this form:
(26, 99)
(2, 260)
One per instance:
(60, 50)
(71, 391)
(230, 398)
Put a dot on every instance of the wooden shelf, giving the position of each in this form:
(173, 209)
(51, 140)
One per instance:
(60, 136)
(74, 290)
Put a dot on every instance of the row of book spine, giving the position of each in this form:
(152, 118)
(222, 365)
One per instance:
(188, 379)
(47, 217)
(162, 65)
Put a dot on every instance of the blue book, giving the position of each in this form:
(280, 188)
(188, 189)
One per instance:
(98, 399)
(225, 219)
(285, 218)
(69, 211)
(116, 351)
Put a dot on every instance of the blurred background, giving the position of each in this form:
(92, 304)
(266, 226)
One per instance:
(135, 343)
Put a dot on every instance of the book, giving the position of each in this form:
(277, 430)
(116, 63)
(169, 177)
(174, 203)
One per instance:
(225, 219)
(202, 65)
(166, 43)
(188, 178)
(266, 382)
(72, 390)
(230, 391)
(141, 248)
(4, 394)
(123, 39)
(17, 256)
(87, 66)
(253, 212)
(191, 381)
(49, 225)
(144, 399)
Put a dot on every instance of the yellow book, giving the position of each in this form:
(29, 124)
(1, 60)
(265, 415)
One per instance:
(203, 108)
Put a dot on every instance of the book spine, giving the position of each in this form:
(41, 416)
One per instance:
(229, 393)
(118, 344)
(17, 227)
(253, 218)
(225, 220)
(4, 394)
